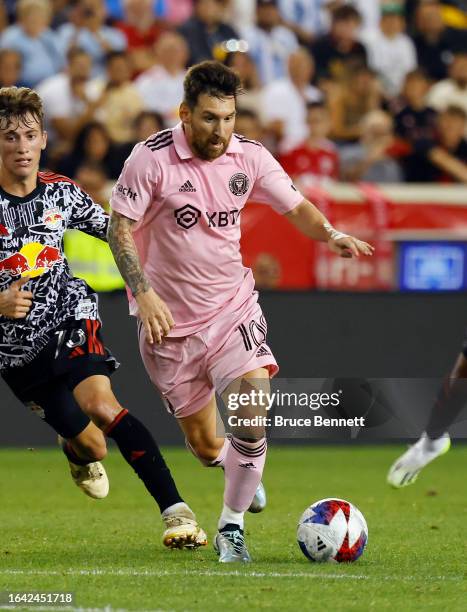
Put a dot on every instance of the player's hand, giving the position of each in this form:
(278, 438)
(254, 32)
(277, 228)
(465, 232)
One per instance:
(155, 315)
(14, 302)
(348, 246)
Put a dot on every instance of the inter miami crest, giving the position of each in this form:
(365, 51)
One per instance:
(187, 216)
(239, 183)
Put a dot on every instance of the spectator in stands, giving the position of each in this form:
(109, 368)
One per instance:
(391, 53)
(284, 100)
(141, 30)
(339, 51)
(89, 31)
(120, 99)
(146, 124)
(444, 159)
(69, 100)
(91, 176)
(38, 45)
(205, 32)
(248, 124)
(434, 41)
(93, 144)
(414, 121)
(244, 66)
(161, 87)
(61, 11)
(267, 271)
(306, 18)
(358, 93)
(10, 68)
(270, 43)
(371, 159)
(453, 90)
(316, 159)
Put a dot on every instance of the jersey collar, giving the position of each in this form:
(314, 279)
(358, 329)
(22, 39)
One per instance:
(183, 149)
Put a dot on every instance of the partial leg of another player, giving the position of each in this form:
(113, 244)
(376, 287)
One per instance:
(242, 456)
(95, 397)
(435, 441)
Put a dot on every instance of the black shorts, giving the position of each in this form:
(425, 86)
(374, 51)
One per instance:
(45, 385)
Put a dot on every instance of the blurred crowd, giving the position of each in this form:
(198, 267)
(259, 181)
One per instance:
(338, 90)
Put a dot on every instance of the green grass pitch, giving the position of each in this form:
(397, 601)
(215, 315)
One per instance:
(109, 554)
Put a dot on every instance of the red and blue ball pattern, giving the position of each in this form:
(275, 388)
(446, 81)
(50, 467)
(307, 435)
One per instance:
(334, 524)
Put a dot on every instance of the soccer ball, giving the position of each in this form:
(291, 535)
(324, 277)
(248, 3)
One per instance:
(332, 530)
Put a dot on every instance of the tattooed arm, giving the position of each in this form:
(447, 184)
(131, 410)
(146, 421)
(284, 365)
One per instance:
(152, 310)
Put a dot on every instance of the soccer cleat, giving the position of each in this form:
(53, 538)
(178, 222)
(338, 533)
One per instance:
(230, 545)
(259, 500)
(182, 529)
(91, 479)
(405, 469)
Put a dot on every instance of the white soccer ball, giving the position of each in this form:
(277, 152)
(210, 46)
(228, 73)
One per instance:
(332, 530)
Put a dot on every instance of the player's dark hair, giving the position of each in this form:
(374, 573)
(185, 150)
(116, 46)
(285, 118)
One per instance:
(18, 102)
(211, 78)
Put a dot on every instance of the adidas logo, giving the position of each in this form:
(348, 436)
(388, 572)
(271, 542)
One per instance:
(187, 186)
(246, 465)
(262, 351)
(321, 545)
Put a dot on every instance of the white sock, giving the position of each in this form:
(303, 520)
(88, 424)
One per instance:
(176, 508)
(230, 516)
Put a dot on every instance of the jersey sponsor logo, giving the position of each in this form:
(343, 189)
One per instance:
(239, 184)
(223, 218)
(127, 192)
(52, 218)
(187, 187)
(187, 216)
(34, 259)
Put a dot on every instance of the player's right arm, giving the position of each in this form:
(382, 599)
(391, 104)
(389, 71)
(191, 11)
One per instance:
(152, 310)
(14, 302)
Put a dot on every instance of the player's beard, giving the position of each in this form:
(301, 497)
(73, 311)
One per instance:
(202, 146)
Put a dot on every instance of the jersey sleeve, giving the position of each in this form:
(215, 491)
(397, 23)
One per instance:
(273, 185)
(134, 191)
(86, 215)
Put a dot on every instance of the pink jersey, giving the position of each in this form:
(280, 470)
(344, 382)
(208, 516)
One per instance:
(188, 221)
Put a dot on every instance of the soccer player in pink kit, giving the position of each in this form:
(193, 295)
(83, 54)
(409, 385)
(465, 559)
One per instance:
(174, 232)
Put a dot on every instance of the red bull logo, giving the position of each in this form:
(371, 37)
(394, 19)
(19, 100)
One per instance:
(32, 260)
(52, 218)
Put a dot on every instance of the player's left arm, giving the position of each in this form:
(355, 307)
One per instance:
(87, 215)
(312, 223)
(274, 187)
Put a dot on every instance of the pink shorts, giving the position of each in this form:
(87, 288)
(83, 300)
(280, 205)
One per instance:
(188, 371)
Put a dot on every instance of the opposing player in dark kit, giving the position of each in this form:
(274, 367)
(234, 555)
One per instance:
(51, 351)
(174, 232)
